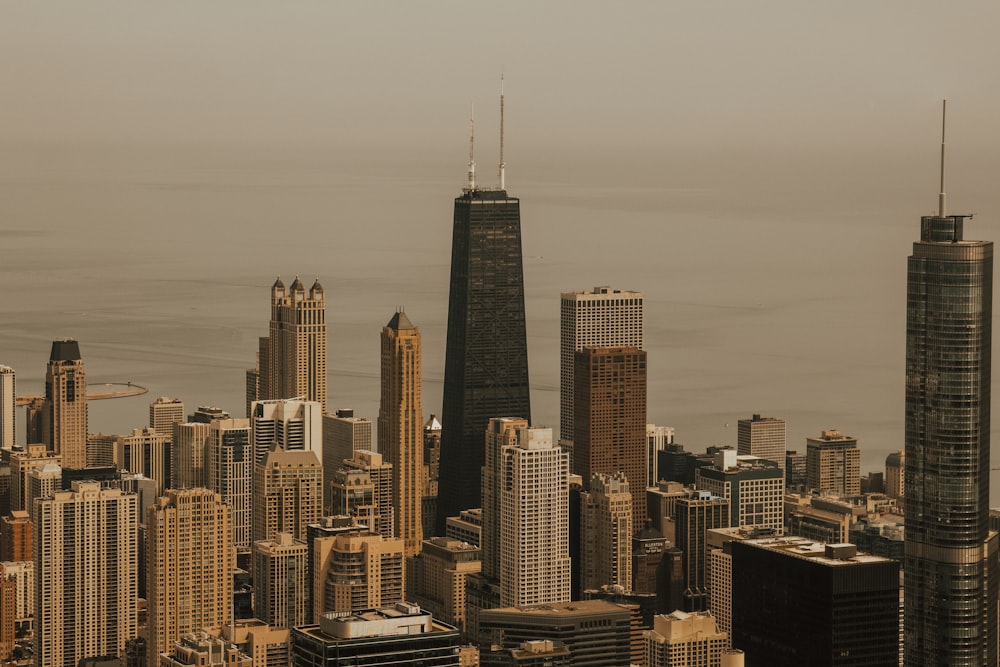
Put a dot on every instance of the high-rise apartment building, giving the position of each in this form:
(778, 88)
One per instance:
(502, 432)
(189, 567)
(8, 413)
(763, 437)
(486, 358)
(833, 464)
(343, 434)
(292, 358)
(606, 533)
(951, 556)
(796, 602)
(281, 581)
(679, 639)
(895, 486)
(534, 520)
(164, 412)
(357, 570)
(64, 414)
(696, 514)
(85, 574)
(400, 425)
(754, 487)
(190, 439)
(22, 462)
(43, 481)
(605, 317)
(16, 530)
(436, 577)
(148, 452)
(229, 472)
(362, 488)
(287, 494)
(290, 424)
(610, 417)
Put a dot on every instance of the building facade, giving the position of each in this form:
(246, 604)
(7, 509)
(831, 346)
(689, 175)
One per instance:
(343, 435)
(696, 514)
(64, 413)
(287, 494)
(281, 581)
(290, 424)
(606, 533)
(833, 464)
(164, 412)
(684, 640)
(229, 466)
(754, 487)
(763, 437)
(8, 412)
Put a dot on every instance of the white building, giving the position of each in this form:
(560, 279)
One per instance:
(289, 424)
(763, 437)
(657, 439)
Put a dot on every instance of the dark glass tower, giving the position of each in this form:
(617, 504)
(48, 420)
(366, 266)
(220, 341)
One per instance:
(951, 558)
(486, 359)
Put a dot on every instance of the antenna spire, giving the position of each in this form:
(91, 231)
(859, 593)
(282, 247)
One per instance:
(472, 148)
(941, 195)
(503, 165)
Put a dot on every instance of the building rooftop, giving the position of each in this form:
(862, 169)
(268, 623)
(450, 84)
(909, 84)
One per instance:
(833, 555)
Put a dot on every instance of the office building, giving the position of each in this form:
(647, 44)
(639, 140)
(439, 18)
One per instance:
(696, 514)
(85, 585)
(362, 488)
(763, 437)
(23, 575)
(795, 470)
(287, 494)
(8, 411)
(188, 466)
(23, 462)
(206, 414)
(15, 536)
(605, 317)
(536, 653)
(356, 570)
(895, 485)
(229, 472)
(281, 581)
(101, 450)
(486, 355)
(189, 567)
(610, 417)
(164, 412)
(648, 547)
(754, 487)
(436, 578)
(265, 645)
(797, 602)
(596, 632)
(833, 464)
(431, 473)
(400, 426)
(534, 520)
(401, 634)
(148, 452)
(951, 556)
(289, 424)
(343, 435)
(658, 438)
(43, 481)
(64, 418)
(467, 527)
(606, 533)
(679, 639)
(292, 358)
(502, 432)
(200, 649)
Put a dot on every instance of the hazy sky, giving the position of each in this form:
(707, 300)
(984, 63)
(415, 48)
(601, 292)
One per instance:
(598, 81)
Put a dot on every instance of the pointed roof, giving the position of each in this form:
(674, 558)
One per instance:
(316, 286)
(400, 322)
(433, 424)
(278, 284)
(297, 285)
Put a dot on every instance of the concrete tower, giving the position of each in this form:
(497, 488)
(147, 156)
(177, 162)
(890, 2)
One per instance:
(64, 419)
(8, 396)
(400, 426)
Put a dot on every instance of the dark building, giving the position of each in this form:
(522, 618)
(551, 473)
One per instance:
(539, 653)
(609, 407)
(795, 470)
(597, 633)
(486, 356)
(951, 557)
(796, 602)
(648, 546)
(699, 512)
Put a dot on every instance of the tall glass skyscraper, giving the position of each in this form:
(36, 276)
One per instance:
(951, 558)
(486, 357)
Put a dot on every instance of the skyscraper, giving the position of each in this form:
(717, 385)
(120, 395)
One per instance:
(146, 451)
(229, 472)
(400, 426)
(287, 494)
(164, 412)
(8, 396)
(64, 418)
(763, 437)
(486, 357)
(362, 488)
(188, 466)
(606, 533)
(610, 417)
(951, 557)
(281, 583)
(285, 423)
(696, 514)
(343, 434)
(292, 358)
(833, 464)
(85, 574)
(605, 317)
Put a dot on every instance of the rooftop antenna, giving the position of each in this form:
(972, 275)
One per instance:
(472, 146)
(941, 195)
(503, 165)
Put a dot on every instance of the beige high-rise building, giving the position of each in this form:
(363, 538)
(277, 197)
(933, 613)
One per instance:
(267, 646)
(763, 437)
(229, 472)
(189, 470)
(287, 494)
(189, 567)
(164, 412)
(343, 435)
(833, 464)
(200, 649)
(895, 463)
(64, 418)
(85, 574)
(501, 432)
(280, 574)
(436, 577)
(605, 317)
(43, 481)
(534, 520)
(23, 462)
(606, 533)
(145, 451)
(292, 359)
(8, 413)
(683, 639)
(362, 488)
(401, 427)
(355, 571)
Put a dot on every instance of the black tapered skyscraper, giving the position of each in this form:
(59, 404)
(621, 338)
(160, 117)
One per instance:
(951, 557)
(486, 359)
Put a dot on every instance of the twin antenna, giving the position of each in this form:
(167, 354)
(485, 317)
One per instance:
(472, 144)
